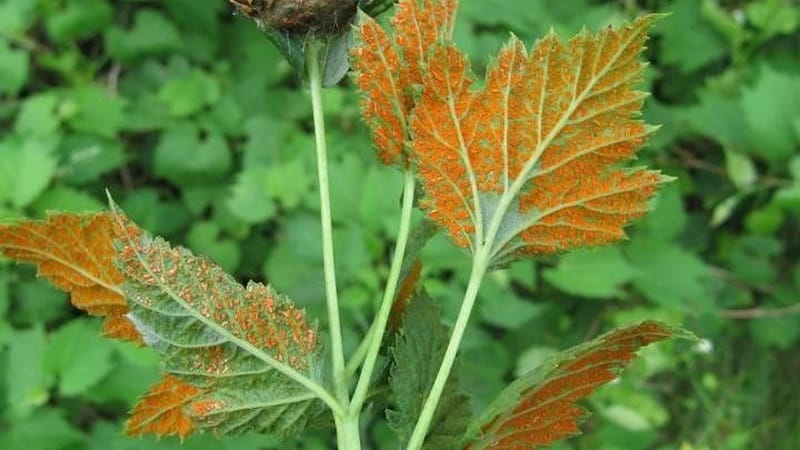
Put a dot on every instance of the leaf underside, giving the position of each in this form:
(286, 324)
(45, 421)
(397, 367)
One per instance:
(231, 344)
(75, 252)
(529, 163)
(417, 353)
(389, 65)
(539, 408)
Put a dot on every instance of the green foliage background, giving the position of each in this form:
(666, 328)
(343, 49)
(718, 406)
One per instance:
(196, 125)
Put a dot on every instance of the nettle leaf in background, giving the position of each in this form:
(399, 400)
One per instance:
(389, 65)
(528, 164)
(539, 408)
(417, 351)
(243, 350)
(76, 253)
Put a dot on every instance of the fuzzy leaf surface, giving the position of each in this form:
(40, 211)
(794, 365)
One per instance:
(539, 408)
(389, 64)
(161, 410)
(239, 345)
(76, 253)
(529, 162)
(418, 351)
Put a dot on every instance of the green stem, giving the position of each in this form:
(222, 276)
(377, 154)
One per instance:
(361, 352)
(480, 265)
(331, 296)
(378, 328)
(348, 435)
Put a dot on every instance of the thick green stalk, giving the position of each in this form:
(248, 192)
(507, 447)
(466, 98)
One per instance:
(331, 295)
(378, 328)
(480, 265)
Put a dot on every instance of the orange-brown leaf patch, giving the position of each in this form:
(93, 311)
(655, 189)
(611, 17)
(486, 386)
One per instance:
(388, 69)
(546, 410)
(162, 410)
(76, 253)
(530, 162)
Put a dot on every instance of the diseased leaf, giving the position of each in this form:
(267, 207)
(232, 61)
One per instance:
(76, 253)
(238, 345)
(528, 164)
(418, 351)
(387, 70)
(161, 410)
(539, 408)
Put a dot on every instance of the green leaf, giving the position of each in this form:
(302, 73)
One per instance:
(96, 111)
(741, 169)
(26, 380)
(185, 157)
(689, 50)
(668, 275)
(190, 93)
(45, 429)
(249, 200)
(539, 407)
(417, 353)
(37, 116)
(26, 169)
(151, 34)
(17, 15)
(78, 356)
(78, 20)
(238, 345)
(204, 237)
(597, 273)
(770, 108)
(85, 157)
(14, 68)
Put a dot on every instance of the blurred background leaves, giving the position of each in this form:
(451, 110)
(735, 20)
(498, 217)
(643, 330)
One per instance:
(196, 124)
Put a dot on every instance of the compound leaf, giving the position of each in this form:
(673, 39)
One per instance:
(245, 348)
(418, 351)
(539, 408)
(388, 65)
(528, 163)
(76, 253)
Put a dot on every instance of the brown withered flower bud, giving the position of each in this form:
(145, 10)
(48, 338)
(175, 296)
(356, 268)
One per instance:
(299, 16)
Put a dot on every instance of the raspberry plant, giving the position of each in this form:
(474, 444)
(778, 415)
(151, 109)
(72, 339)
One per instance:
(528, 160)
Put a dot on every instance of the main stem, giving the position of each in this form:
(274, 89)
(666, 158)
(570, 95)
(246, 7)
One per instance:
(378, 328)
(479, 267)
(331, 296)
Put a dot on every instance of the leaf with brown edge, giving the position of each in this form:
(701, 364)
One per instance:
(388, 65)
(76, 253)
(162, 410)
(244, 347)
(539, 408)
(530, 162)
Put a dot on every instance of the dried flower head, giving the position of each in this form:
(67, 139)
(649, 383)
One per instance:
(299, 16)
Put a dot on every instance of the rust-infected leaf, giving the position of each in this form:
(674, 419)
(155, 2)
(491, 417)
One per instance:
(76, 253)
(243, 346)
(387, 69)
(539, 408)
(529, 163)
(161, 410)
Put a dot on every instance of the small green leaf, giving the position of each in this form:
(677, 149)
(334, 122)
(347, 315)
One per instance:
(14, 68)
(249, 200)
(151, 34)
(770, 108)
(37, 116)
(185, 157)
(741, 169)
(417, 353)
(26, 380)
(26, 169)
(78, 20)
(96, 111)
(596, 273)
(689, 50)
(78, 356)
(190, 93)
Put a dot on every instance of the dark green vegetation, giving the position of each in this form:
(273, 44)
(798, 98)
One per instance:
(198, 128)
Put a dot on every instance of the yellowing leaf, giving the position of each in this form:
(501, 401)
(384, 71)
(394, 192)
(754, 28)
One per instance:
(529, 162)
(539, 408)
(76, 253)
(243, 347)
(388, 69)
(161, 410)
